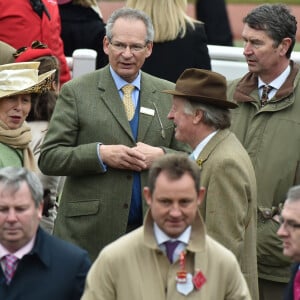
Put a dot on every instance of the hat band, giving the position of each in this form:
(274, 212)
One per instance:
(18, 80)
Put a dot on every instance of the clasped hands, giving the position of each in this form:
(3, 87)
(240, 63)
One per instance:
(137, 158)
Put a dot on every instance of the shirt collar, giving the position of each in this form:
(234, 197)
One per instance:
(120, 82)
(19, 253)
(161, 237)
(277, 82)
(201, 145)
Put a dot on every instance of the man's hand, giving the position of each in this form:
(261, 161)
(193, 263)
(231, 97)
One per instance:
(150, 153)
(123, 157)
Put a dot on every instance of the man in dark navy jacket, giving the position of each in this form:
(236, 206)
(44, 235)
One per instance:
(34, 264)
(289, 232)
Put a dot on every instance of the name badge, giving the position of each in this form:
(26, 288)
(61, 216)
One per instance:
(147, 111)
(185, 287)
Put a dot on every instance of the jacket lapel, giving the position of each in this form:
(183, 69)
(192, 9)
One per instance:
(211, 145)
(148, 96)
(111, 98)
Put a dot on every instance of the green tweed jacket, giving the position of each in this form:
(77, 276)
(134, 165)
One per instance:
(94, 204)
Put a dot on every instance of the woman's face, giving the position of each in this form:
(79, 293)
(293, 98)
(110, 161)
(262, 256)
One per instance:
(14, 110)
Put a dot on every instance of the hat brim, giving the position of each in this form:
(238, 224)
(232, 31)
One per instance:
(203, 99)
(43, 85)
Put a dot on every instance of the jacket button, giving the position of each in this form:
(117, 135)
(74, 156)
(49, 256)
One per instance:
(125, 205)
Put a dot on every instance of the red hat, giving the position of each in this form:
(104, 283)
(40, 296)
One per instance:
(30, 54)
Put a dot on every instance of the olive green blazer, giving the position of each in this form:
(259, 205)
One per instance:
(94, 204)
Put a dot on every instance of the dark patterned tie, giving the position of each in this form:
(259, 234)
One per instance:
(297, 286)
(10, 265)
(170, 248)
(265, 94)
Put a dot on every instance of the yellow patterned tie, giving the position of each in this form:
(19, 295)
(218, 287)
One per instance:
(127, 100)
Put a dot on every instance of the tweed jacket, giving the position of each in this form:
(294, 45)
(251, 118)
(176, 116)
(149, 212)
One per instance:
(94, 204)
(54, 269)
(271, 135)
(229, 207)
(134, 268)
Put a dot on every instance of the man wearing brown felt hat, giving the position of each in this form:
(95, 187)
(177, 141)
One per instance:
(201, 115)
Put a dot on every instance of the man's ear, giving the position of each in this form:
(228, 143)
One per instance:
(201, 195)
(285, 45)
(147, 195)
(197, 116)
(149, 48)
(105, 45)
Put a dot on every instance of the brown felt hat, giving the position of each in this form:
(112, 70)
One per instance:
(202, 86)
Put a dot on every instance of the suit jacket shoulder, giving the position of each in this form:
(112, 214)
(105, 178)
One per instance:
(59, 267)
(289, 293)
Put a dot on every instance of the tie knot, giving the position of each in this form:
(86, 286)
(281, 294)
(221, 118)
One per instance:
(267, 89)
(265, 94)
(170, 248)
(127, 89)
(11, 258)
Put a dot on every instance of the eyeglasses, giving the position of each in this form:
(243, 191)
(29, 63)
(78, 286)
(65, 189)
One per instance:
(135, 48)
(34, 45)
(288, 224)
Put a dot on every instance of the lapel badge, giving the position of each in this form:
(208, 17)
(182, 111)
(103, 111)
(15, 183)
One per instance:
(181, 274)
(199, 162)
(198, 280)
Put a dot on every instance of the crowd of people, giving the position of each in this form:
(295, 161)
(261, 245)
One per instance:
(152, 177)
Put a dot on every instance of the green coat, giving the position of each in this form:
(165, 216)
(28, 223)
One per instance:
(229, 208)
(271, 136)
(94, 204)
(10, 157)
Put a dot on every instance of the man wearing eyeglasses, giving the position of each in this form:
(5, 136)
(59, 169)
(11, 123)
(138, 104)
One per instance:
(104, 147)
(289, 232)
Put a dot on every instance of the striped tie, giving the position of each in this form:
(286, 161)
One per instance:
(265, 94)
(10, 265)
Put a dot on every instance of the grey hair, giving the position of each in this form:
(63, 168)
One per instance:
(276, 20)
(11, 179)
(293, 193)
(130, 14)
(219, 118)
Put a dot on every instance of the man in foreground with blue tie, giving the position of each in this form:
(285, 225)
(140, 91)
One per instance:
(289, 232)
(171, 256)
(33, 264)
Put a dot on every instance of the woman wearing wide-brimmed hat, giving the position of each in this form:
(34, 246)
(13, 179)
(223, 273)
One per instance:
(18, 81)
(42, 106)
